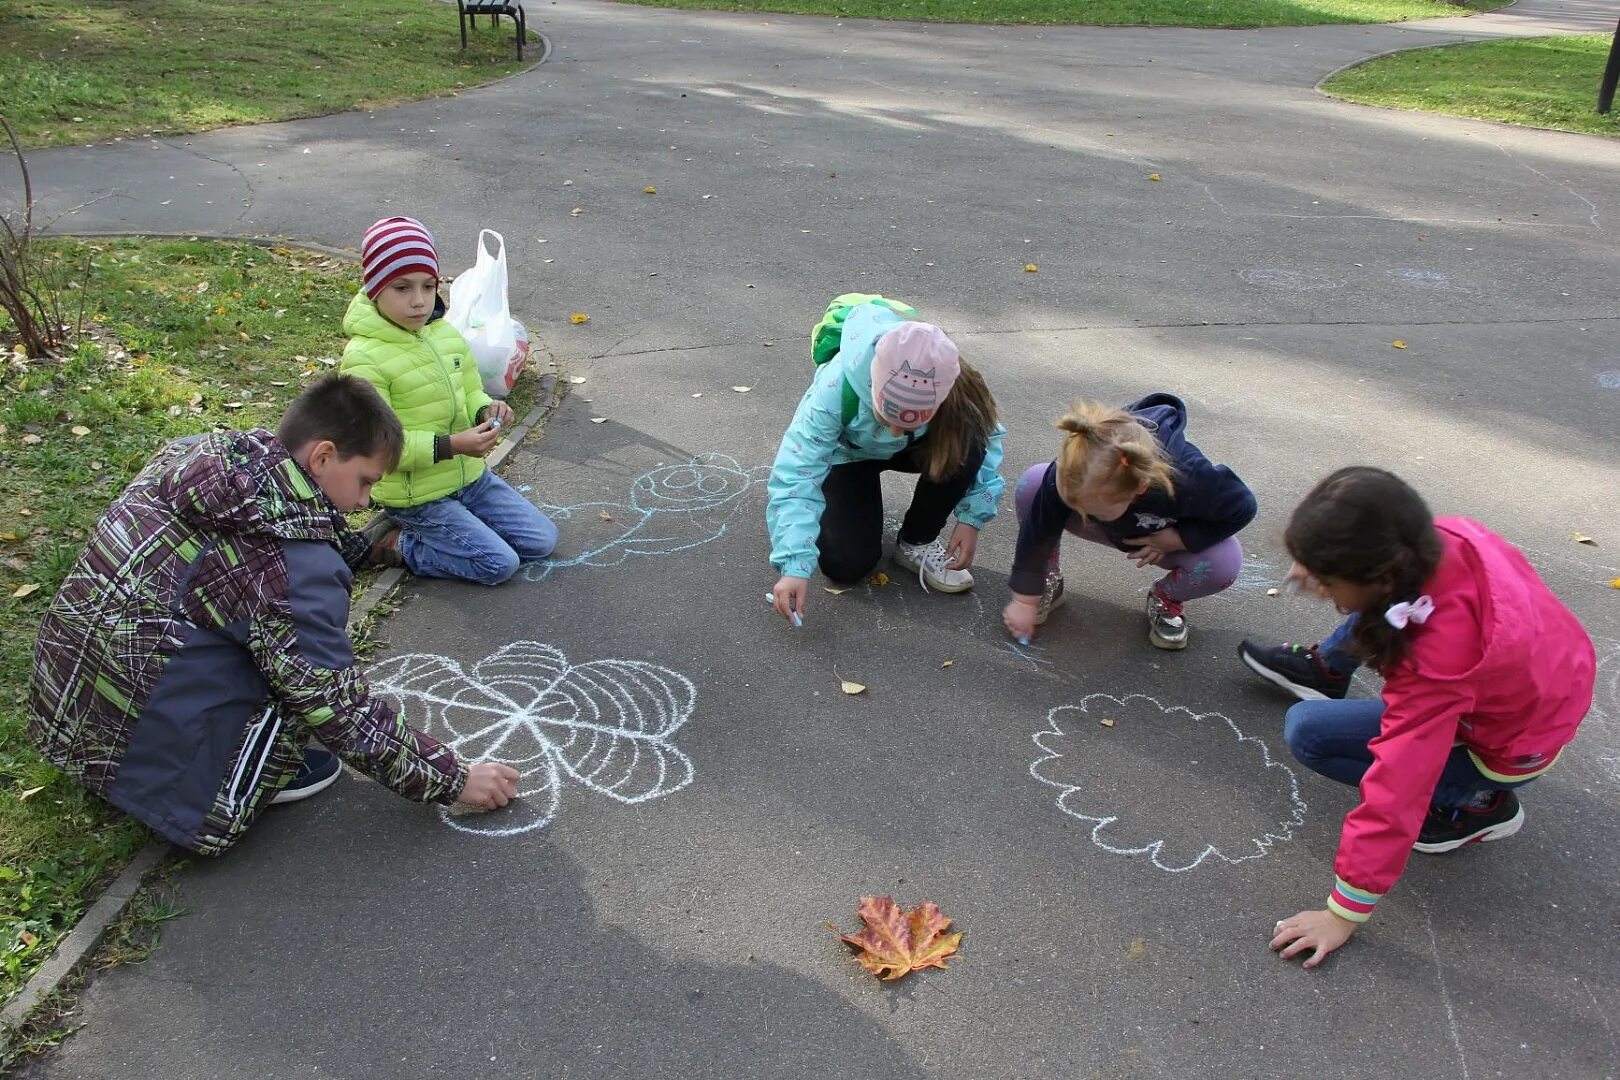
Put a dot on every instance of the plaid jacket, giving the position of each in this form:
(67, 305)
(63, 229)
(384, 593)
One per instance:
(201, 638)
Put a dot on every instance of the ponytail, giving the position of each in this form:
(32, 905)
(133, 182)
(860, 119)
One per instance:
(1366, 526)
(1109, 452)
(965, 419)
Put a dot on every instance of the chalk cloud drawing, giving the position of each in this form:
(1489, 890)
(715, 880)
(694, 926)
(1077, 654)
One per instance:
(1290, 280)
(606, 724)
(1130, 789)
(668, 509)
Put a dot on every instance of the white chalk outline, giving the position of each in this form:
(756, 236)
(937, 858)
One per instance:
(526, 706)
(678, 497)
(1263, 844)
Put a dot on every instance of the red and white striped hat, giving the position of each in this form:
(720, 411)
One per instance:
(395, 247)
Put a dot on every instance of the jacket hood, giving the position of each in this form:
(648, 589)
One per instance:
(1483, 577)
(866, 323)
(1166, 416)
(245, 482)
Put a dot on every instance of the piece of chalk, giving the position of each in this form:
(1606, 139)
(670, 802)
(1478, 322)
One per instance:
(1023, 641)
(496, 424)
(793, 616)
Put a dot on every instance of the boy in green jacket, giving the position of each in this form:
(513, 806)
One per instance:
(447, 515)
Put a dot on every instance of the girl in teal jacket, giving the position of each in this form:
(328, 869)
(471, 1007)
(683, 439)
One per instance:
(895, 396)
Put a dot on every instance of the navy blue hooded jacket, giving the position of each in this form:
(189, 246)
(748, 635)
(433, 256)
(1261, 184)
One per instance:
(1210, 502)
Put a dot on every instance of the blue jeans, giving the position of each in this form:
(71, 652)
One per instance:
(1331, 737)
(481, 533)
(1335, 652)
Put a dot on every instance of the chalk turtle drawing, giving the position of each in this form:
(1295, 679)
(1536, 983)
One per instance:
(668, 509)
(606, 724)
(1093, 779)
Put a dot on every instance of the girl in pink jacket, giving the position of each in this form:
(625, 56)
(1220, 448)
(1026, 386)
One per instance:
(1486, 677)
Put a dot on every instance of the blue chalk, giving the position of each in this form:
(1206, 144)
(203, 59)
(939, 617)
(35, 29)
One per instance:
(1024, 641)
(793, 616)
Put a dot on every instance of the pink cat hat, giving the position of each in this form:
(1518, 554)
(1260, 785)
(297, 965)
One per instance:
(913, 369)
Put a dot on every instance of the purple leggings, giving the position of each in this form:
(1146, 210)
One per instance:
(1192, 573)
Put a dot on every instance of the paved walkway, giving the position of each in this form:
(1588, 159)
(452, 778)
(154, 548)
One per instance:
(1116, 883)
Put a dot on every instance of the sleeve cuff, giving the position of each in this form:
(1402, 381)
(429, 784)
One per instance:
(806, 570)
(441, 449)
(1350, 903)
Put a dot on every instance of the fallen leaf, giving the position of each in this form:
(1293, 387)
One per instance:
(1136, 949)
(1614, 583)
(649, 190)
(30, 793)
(742, 389)
(95, 466)
(895, 942)
(576, 379)
(1154, 177)
(233, 404)
(28, 938)
(835, 590)
(1398, 343)
(277, 382)
(697, 395)
(9, 536)
(30, 439)
(31, 588)
(1030, 268)
(25, 512)
(1582, 538)
(1271, 592)
(850, 688)
(879, 578)
(948, 663)
(598, 419)
(770, 344)
(575, 212)
(604, 515)
(79, 430)
(1105, 722)
(579, 318)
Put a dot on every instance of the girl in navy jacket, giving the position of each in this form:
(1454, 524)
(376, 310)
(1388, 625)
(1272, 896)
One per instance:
(1130, 479)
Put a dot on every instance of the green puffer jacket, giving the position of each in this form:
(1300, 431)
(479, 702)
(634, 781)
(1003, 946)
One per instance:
(431, 381)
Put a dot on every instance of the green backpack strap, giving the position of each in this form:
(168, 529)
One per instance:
(828, 335)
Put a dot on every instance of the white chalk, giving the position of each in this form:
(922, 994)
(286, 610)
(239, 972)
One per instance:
(798, 622)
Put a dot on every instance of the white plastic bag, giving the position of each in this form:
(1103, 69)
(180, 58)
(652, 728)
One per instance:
(478, 308)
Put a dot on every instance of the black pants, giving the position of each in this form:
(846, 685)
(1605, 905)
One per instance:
(851, 540)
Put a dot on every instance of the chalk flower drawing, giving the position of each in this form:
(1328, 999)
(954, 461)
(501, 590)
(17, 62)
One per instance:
(668, 509)
(1114, 795)
(607, 724)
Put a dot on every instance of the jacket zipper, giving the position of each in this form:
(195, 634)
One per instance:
(261, 736)
(448, 385)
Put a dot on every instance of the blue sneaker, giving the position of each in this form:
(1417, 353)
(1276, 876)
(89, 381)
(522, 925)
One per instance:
(318, 771)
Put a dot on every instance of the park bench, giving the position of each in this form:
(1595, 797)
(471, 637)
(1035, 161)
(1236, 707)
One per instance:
(469, 10)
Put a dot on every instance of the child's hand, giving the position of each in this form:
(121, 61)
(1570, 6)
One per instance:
(489, 786)
(964, 542)
(1152, 548)
(1302, 581)
(789, 596)
(1319, 931)
(500, 411)
(1019, 617)
(476, 442)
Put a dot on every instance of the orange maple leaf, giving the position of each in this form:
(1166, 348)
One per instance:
(899, 942)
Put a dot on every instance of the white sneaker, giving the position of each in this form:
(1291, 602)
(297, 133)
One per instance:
(929, 561)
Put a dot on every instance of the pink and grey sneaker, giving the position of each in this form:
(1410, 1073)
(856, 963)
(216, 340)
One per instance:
(1167, 626)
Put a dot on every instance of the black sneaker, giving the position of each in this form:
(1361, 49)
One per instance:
(318, 771)
(376, 532)
(1298, 669)
(1448, 828)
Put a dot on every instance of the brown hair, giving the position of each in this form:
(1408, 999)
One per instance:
(1108, 451)
(965, 418)
(1365, 526)
(349, 412)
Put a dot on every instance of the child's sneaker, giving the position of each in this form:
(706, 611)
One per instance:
(1298, 669)
(1167, 627)
(929, 560)
(1051, 596)
(318, 771)
(383, 536)
(1448, 828)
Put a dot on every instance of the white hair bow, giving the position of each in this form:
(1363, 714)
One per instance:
(1418, 611)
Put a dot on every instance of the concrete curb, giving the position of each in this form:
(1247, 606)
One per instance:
(110, 907)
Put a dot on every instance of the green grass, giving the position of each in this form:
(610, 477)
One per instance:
(188, 336)
(1105, 12)
(78, 71)
(1543, 82)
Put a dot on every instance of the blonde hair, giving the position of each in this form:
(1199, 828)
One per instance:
(965, 418)
(1110, 453)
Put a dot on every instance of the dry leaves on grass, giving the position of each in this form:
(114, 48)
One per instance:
(895, 942)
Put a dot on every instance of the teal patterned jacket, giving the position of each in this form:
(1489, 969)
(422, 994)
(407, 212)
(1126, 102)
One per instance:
(201, 639)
